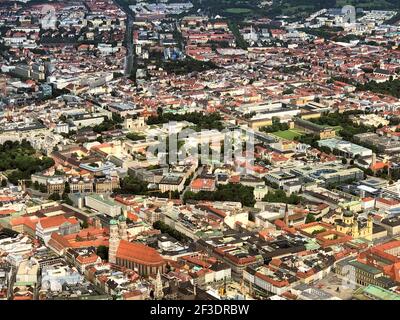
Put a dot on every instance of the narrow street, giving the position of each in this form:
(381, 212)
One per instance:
(130, 48)
(187, 188)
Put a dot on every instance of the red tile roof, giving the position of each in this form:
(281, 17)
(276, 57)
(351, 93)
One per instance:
(6, 199)
(51, 222)
(87, 259)
(7, 211)
(139, 253)
(202, 184)
(58, 242)
(378, 166)
(390, 202)
(367, 199)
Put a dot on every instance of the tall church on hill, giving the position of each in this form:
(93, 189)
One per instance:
(136, 256)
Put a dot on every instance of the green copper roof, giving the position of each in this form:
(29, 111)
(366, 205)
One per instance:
(348, 214)
(380, 293)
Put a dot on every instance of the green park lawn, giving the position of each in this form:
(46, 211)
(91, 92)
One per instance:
(238, 10)
(288, 134)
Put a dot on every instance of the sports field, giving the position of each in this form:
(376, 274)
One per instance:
(288, 134)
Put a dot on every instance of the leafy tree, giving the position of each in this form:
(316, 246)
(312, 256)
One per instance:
(240, 42)
(132, 185)
(108, 124)
(102, 252)
(134, 136)
(201, 120)
(318, 231)
(310, 218)
(21, 158)
(186, 66)
(55, 196)
(67, 188)
(117, 118)
(279, 196)
(66, 199)
(391, 87)
(276, 126)
(229, 192)
(43, 188)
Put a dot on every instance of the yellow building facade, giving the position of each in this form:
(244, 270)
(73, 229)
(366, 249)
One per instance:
(349, 224)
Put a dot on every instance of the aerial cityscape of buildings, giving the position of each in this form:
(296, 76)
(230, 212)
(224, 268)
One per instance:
(199, 150)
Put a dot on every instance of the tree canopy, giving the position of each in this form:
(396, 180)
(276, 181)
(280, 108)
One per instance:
(201, 120)
(229, 192)
(22, 159)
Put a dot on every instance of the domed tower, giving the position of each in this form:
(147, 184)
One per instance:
(113, 242)
(370, 225)
(354, 229)
(348, 218)
(338, 213)
(122, 228)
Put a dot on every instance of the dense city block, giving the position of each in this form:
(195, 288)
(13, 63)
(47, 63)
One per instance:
(199, 150)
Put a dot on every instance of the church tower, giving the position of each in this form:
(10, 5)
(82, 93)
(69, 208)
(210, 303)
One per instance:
(113, 242)
(370, 225)
(354, 229)
(158, 287)
(286, 218)
(122, 228)
(348, 218)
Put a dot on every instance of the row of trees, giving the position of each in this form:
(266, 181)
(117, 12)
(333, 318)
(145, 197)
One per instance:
(323, 32)
(201, 120)
(109, 124)
(229, 192)
(240, 42)
(279, 196)
(135, 136)
(186, 66)
(309, 139)
(40, 187)
(349, 129)
(276, 125)
(132, 185)
(64, 198)
(391, 87)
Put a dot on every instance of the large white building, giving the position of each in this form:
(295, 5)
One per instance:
(46, 226)
(103, 205)
(345, 148)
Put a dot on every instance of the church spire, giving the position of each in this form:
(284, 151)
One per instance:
(158, 287)
(286, 218)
